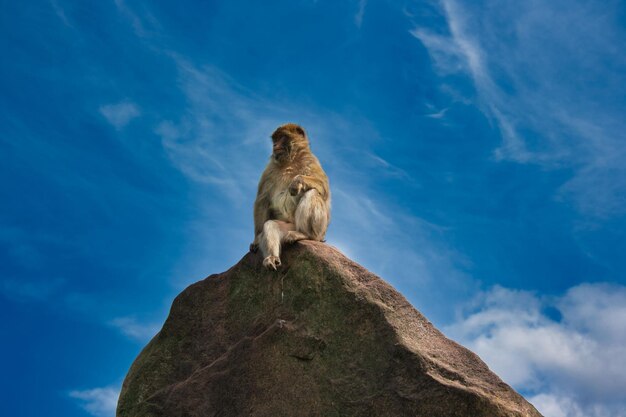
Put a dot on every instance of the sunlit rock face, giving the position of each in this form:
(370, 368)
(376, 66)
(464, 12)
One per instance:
(321, 336)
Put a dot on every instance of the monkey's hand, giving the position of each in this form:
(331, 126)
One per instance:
(297, 186)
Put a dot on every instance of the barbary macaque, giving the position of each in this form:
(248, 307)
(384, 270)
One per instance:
(293, 199)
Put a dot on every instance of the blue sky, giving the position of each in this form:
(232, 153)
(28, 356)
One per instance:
(476, 153)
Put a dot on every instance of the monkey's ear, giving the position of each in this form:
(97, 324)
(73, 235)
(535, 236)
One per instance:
(300, 131)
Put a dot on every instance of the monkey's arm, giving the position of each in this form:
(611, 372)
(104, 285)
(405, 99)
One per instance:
(318, 182)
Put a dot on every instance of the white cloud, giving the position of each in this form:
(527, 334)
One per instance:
(99, 402)
(560, 406)
(575, 364)
(135, 330)
(541, 75)
(120, 114)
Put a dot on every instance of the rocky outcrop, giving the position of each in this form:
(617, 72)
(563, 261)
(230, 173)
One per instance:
(320, 337)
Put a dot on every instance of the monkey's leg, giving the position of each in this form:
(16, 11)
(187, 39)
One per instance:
(276, 232)
(312, 215)
(294, 236)
(288, 232)
(269, 243)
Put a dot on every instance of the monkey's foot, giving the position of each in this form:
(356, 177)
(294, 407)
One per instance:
(271, 262)
(293, 236)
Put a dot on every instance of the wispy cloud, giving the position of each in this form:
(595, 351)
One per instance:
(544, 101)
(358, 18)
(402, 248)
(99, 402)
(447, 56)
(220, 139)
(458, 51)
(134, 329)
(438, 114)
(569, 352)
(221, 131)
(120, 114)
(144, 24)
(60, 12)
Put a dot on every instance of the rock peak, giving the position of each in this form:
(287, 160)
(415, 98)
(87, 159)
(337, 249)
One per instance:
(320, 337)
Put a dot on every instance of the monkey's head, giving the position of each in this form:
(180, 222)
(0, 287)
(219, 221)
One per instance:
(287, 141)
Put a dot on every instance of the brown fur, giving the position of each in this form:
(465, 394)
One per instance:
(293, 198)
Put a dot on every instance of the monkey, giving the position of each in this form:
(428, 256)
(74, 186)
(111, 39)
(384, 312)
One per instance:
(293, 197)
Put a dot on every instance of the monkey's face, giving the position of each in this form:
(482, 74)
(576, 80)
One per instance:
(288, 140)
(281, 146)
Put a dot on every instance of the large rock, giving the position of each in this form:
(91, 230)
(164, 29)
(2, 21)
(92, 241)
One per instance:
(320, 337)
